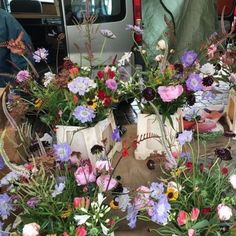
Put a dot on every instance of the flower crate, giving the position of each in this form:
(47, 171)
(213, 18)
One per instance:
(148, 124)
(83, 139)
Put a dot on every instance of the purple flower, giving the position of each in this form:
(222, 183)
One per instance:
(22, 76)
(58, 189)
(116, 135)
(185, 136)
(2, 233)
(136, 29)
(40, 54)
(159, 211)
(131, 217)
(79, 85)
(5, 206)
(63, 151)
(2, 163)
(194, 82)
(111, 84)
(156, 190)
(186, 155)
(84, 114)
(188, 58)
(32, 202)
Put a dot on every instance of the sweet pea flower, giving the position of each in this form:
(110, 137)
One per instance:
(103, 180)
(31, 229)
(170, 93)
(182, 218)
(194, 214)
(84, 175)
(232, 180)
(191, 232)
(224, 212)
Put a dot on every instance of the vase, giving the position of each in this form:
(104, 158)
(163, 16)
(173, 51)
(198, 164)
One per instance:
(148, 124)
(83, 139)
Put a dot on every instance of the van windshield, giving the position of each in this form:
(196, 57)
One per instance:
(105, 10)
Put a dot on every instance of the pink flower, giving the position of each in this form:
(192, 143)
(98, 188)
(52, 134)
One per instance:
(182, 218)
(191, 232)
(211, 50)
(102, 182)
(22, 76)
(65, 234)
(103, 165)
(111, 84)
(194, 214)
(142, 198)
(84, 175)
(81, 231)
(224, 212)
(77, 202)
(170, 93)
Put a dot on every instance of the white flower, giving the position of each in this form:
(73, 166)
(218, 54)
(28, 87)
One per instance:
(107, 33)
(224, 212)
(101, 198)
(49, 76)
(9, 178)
(58, 189)
(105, 230)
(208, 69)
(232, 180)
(159, 57)
(81, 219)
(175, 186)
(31, 229)
(46, 138)
(161, 45)
(40, 54)
(124, 199)
(125, 58)
(91, 85)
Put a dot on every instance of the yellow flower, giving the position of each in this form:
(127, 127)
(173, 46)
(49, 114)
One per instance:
(114, 204)
(66, 213)
(158, 80)
(172, 194)
(176, 172)
(38, 103)
(92, 103)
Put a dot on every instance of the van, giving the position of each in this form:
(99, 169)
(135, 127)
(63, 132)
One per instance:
(113, 15)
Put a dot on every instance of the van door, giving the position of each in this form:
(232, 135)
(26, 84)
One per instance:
(113, 15)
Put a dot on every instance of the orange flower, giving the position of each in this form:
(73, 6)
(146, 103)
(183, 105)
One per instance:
(75, 99)
(17, 46)
(74, 71)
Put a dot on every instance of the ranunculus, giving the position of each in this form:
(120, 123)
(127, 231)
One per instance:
(232, 180)
(182, 218)
(224, 212)
(170, 93)
(31, 229)
(81, 231)
(103, 180)
(84, 175)
(194, 214)
(191, 232)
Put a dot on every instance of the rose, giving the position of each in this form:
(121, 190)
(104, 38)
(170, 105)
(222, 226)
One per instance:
(232, 180)
(31, 229)
(224, 212)
(170, 93)
(194, 214)
(81, 231)
(182, 218)
(84, 175)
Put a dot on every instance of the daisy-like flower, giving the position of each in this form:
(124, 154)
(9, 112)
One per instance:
(79, 85)
(194, 82)
(84, 114)
(124, 59)
(40, 54)
(92, 103)
(208, 69)
(111, 84)
(172, 194)
(156, 189)
(22, 76)
(188, 58)
(63, 151)
(107, 34)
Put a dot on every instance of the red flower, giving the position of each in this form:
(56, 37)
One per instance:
(100, 74)
(224, 171)
(77, 202)
(107, 101)
(125, 152)
(74, 71)
(194, 214)
(182, 218)
(29, 166)
(111, 222)
(75, 99)
(189, 165)
(111, 74)
(65, 234)
(206, 210)
(201, 166)
(81, 231)
(101, 94)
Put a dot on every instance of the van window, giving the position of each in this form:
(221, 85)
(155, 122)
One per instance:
(105, 10)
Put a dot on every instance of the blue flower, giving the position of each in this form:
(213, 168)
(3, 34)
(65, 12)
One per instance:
(194, 82)
(185, 136)
(188, 58)
(132, 213)
(84, 114)
(79, 85)
(186, 155)
(160, 210)
(63, 151)
(116, 135)
(58, 189)
(9, 179)
(2, 164)
(156, 190)
(5, 206)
